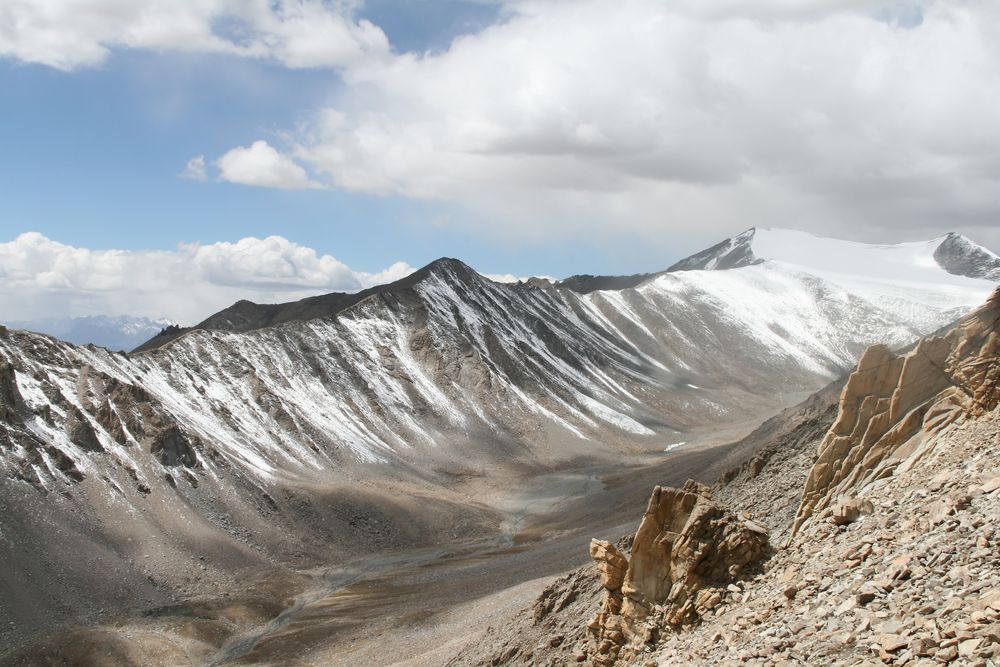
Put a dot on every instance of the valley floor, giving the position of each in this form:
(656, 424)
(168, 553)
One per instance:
(410, 607)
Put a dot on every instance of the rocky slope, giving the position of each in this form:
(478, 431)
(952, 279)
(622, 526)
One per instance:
(289, 435)
(890, 557)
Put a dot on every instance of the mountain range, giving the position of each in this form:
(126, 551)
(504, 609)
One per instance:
(279, 436)
(122, 332)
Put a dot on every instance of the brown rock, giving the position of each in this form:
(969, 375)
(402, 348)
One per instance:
(969, 646)
(866, 594)
(610, 563)
(990, 480)
(684, 544)
(891, 643)
(946, 655)
(849, 511)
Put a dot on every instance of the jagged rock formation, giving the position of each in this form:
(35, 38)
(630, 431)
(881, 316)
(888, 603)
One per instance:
(686, 552)
(892, 405)
(729, 254)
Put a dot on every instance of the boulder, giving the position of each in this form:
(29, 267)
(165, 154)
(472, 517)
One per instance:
(850, 510)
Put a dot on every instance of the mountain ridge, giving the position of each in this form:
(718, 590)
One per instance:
(246, 315)
(954, 253)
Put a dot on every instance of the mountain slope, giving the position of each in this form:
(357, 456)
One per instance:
(445, 353)
(383, 419)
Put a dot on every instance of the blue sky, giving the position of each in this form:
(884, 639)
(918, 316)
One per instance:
(525, 137)
(114, 138)
(91, 157)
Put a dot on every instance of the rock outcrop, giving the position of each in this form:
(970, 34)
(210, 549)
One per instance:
(686, 552)
(892, 404)
(172, 448)
(12, 406)
(81, 432)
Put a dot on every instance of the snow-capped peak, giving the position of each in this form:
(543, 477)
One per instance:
(958, 255)
(732, 253)
(946, 258)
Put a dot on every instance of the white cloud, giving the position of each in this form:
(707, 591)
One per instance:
(296, 33)
(677, 123)
(195, 169)
(690, 119)
(262, 165)
(40, 277)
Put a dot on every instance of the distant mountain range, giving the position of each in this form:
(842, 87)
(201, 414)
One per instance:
(115, 333)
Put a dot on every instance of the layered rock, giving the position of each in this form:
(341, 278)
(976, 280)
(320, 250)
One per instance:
(685, 553)
(891, 404)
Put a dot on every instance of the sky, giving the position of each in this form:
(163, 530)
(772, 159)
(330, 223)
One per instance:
(165, 158)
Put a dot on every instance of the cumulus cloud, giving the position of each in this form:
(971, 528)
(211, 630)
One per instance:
(691, 119)
(40, 277)
(296, 33)
(262, 165)
(195, 169)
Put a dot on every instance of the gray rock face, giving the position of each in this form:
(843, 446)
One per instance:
(729, 254)
(81, 433)
(172, 448)
(12, 407)
(958, 255)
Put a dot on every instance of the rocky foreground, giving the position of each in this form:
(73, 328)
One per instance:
(886, 554)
